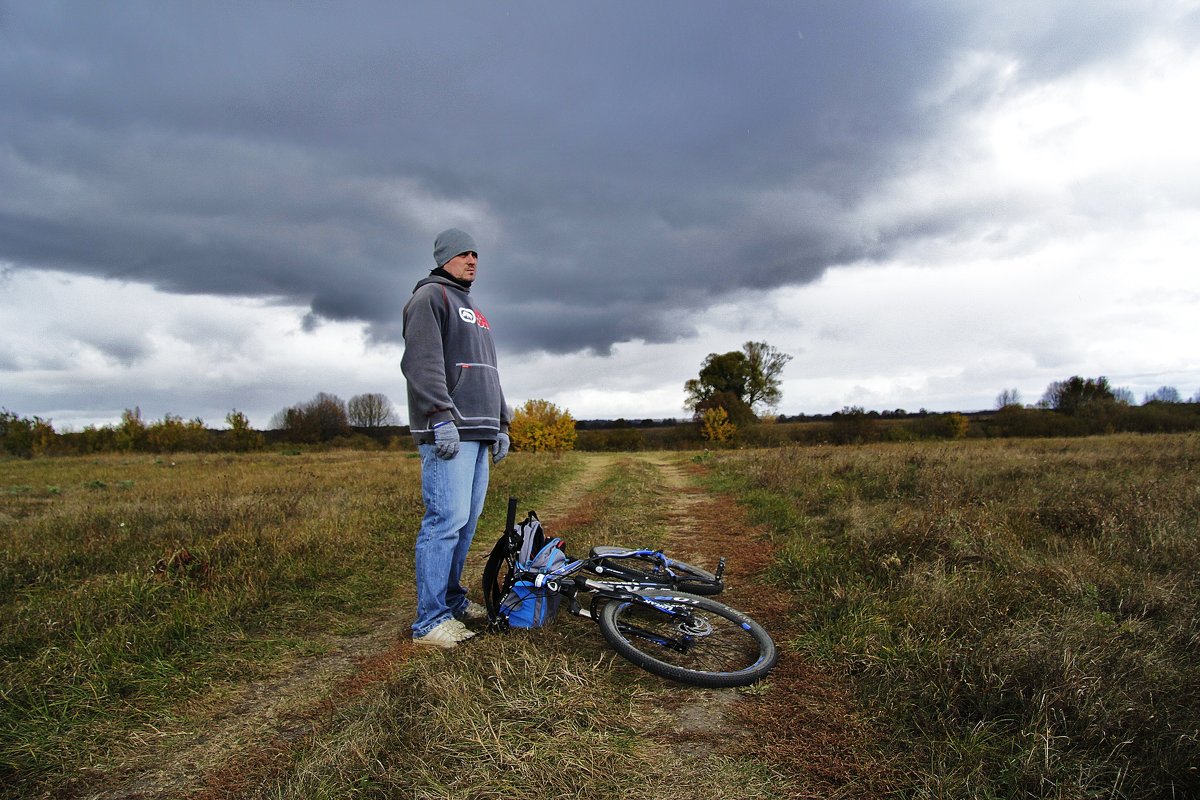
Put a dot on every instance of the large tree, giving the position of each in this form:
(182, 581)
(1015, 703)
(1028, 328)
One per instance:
(749, 376)
(764, 365)
(371, 410)
(319, 420)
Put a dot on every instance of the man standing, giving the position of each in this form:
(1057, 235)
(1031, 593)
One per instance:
(458, 418)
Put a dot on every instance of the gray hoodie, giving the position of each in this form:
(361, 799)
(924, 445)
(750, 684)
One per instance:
(450, 364)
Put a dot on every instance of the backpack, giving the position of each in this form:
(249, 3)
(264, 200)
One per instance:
(527, 605)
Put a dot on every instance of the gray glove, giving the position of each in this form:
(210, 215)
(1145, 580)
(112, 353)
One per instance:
(445, 439)
(500, 448)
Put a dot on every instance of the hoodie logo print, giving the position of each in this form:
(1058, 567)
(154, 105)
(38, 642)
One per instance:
(473, 317)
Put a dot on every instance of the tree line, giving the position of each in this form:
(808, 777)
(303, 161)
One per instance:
(365, 421)
(730, 399)
(30, 436)
(325, 419)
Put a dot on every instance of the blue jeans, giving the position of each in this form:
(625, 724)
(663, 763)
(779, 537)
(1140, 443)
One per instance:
(453, 491)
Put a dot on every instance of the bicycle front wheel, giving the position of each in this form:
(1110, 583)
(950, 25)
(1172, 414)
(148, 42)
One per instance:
(682, 576)
(690, 639)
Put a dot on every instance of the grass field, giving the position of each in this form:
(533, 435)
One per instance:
(1015, 618)
(134, 590)
(1023, 615)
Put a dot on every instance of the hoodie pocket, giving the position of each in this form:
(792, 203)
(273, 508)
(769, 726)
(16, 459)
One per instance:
(476, 394)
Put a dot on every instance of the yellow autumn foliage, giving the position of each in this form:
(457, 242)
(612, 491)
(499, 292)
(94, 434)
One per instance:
(715, 425)
(540, 426)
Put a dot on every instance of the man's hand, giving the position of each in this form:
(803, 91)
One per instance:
(500, 448)
(445, 440)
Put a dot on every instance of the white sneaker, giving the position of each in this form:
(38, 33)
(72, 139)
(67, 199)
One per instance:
(458, 629)
(444, 635)
(472, 612)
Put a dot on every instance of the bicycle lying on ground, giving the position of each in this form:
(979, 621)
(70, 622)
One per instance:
(636, 597)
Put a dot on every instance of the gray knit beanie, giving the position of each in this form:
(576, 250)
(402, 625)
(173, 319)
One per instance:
(451, 243)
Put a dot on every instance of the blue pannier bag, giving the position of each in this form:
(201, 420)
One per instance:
(527, 605)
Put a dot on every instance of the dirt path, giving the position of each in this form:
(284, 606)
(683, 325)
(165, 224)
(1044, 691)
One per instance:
(800, 722)
(566, 499)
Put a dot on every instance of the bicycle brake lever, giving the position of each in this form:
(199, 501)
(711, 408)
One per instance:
(720, 567)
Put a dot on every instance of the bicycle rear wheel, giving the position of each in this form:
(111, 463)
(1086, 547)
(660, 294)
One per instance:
(684, 577)
(690, 639)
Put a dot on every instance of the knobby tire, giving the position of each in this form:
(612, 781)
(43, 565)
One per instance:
(711, 645)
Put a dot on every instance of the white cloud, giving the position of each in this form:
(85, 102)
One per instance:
(1126, 122)
(950, 332)
(79, 350)
(1095, 147)
(1081, 258)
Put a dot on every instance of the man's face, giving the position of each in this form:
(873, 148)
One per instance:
(462, 266)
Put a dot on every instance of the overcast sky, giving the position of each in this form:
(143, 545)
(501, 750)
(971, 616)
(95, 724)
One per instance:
(224, 205)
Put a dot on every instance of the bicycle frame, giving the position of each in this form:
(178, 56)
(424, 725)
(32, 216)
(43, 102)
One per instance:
(665, 563)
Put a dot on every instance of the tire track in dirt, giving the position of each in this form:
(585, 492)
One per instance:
(564, 501)
(703, 719)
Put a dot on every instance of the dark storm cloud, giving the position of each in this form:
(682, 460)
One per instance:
(624, 164)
